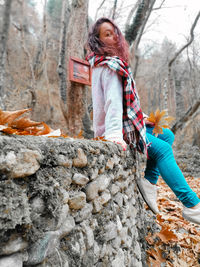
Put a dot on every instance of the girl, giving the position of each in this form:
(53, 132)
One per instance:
(117, 116)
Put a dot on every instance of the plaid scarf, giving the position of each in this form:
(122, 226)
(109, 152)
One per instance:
(134, 131)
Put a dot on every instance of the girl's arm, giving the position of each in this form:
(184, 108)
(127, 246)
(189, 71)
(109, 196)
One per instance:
(113, 97)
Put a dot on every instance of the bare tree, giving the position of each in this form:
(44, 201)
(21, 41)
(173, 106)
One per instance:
(114, 10)
(134, 32)
(74, 100)
(45, 59)
(130, 15)
(62, 70)
(100, 6)
(170, 85)
(28, 55)
(5, 9)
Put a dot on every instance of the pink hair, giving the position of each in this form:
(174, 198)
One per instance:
(121, 49)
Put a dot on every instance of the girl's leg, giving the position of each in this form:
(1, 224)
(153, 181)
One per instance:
(162, 157)
(151, 172)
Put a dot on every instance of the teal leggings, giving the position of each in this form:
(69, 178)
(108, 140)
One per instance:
(162, 162)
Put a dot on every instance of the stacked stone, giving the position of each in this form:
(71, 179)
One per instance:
(68, 202)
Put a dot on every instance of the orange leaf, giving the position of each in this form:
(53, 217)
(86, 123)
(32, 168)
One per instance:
(152, 118)
(159, 115)
(24, 123)
(9, 130)
(22, 126)
(99, 138)
(156, 255)
(169, 119)
(165, 126)
(159, 219)
(9, 116)
(167, 235)
(46, 129)
(149, 239)
(80, 135)
(157, 129)
(158, 119)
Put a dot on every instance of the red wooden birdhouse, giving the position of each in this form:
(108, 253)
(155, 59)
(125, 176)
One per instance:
(80, 71)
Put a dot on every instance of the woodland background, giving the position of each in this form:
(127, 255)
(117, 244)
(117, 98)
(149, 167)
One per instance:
(36, 45)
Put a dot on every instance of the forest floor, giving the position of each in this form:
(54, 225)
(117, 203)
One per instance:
(178, 242)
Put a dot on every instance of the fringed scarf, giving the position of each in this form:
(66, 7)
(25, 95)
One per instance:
(134, 131)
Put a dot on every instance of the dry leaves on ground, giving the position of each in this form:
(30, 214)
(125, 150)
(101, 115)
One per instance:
(178, 242)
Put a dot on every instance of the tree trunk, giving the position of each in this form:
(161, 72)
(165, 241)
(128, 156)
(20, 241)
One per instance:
(5, 9)
(45, 61)
(73, 100)
(114, 10)
(29, 57)
(179, 124)
(134, 32)
(159, 93)
(165, 94)
(62, 70)
(179, 96)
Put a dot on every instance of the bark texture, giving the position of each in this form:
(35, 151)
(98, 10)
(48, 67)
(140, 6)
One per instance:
(74, 102)
(135, 30)
(180, 123)
(62, 53)
(5, 9)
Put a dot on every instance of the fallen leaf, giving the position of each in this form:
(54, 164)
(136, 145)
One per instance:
(46, 129)
(10, 123)
(156, 255)
(24, 123)
(100, 138)
(166, 235)
(7, 117)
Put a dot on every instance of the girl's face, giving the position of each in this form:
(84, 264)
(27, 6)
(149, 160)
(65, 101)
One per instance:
(107, 34)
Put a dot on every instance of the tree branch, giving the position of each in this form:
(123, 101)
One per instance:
(114, 9)
(100, 6)
(131, 31)
(186, 116)
(188, 43)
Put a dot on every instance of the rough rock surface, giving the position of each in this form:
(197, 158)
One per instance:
(68, 202)
(188, 159)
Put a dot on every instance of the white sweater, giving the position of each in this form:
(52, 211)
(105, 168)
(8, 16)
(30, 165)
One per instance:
(107, 97)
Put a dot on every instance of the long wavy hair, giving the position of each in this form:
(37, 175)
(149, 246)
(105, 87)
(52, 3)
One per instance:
(94, 44)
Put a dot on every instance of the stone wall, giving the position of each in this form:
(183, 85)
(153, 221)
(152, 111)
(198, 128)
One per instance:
(68, 203)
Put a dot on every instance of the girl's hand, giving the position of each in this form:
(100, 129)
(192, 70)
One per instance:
(123, 144)
(120, 142)
(149, 123)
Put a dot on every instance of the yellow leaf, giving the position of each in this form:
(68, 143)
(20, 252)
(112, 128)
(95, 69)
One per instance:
(169, 119)
(159, 120)
(165, 126)
(151, 117)
(159, 115)
(157, 129)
